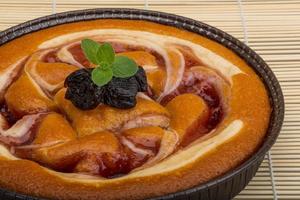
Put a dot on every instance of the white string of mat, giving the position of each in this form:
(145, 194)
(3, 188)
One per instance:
(53, 6)
(146, 4)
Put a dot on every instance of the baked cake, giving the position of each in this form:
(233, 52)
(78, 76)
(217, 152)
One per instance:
(202, 113)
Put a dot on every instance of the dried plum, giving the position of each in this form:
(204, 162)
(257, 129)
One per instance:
(81, 90)
(141, 79)
(119, 92)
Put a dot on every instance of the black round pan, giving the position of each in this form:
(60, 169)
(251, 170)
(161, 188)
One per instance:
(231, 183)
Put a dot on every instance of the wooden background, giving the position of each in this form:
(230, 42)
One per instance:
(271, 27)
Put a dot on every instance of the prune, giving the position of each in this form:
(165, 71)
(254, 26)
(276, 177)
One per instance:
(141, 79)
(81, 90)
(119, 92)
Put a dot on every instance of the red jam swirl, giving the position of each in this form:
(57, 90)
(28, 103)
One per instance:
(126, 160)
(210, 95)
(10, 118)
(51, 57)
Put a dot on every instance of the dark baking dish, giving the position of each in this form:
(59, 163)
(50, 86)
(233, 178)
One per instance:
(231, 183)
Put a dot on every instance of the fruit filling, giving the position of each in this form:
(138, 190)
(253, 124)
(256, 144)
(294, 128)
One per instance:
(107, 108)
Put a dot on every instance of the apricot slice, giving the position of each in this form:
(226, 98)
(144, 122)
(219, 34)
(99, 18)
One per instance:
(51, 130)
(54, 128)
(82, 154)
(186, 110)
(142, 58)
(24, 97)
(146, 113)
(53, 73)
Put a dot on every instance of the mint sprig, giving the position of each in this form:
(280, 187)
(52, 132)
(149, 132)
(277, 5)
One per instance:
(107, 63)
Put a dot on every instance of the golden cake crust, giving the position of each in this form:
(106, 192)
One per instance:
(249, 103)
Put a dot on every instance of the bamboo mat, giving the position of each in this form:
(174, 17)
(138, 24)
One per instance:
(271, 27)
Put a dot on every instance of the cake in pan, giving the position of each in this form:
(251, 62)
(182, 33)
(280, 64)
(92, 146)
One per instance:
(193, 111)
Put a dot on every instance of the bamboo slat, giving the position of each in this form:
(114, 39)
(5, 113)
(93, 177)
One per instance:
(273, 30)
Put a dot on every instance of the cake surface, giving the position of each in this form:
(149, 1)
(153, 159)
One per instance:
(205, 112)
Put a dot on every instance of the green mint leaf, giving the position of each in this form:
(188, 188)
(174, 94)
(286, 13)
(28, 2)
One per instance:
(101, 77)
(105, 65)
(90, 49)
(106, 53)
(124, 67)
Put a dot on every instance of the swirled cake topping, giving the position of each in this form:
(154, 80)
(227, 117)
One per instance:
(115, 80)
(118, 104)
